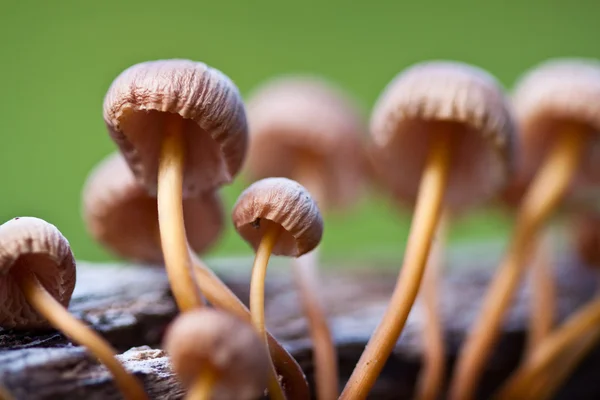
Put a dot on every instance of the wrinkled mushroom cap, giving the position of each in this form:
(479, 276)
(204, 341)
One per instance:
(586, 227)
(32, 243)
(299, 122)
(206, 338)
(460, 99)
(120, 214)
(215, 128)
(549, 96)
(283, 202)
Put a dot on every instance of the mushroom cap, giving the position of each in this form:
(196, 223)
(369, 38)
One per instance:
(207, 338)
(286, 203)
(119, 213)
(586, 228)
(552, 94)
(32, 243)
(215, 128)
(304, 121)
(463, 100)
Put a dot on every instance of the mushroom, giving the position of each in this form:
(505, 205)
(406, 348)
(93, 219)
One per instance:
(37, 278)
(305, 129)
(181, 127)
(442, 135)
(119, 214)
(557, 107)
(217, 355)
(275, 216)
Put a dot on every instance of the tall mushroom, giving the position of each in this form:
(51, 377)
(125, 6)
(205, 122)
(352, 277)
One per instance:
(303, 128)
(217, 355)
(441, 134)
(37, 278)
(121, 215)
(557, 105)
(181, 126)
(275, 216)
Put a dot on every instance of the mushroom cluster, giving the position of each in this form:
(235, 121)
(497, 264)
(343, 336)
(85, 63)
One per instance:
(443, 138)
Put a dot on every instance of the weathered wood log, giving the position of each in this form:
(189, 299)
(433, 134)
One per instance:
(131, 306)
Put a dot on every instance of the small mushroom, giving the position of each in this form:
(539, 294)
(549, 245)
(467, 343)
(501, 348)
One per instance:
(275, 216)
(305, 129)
(557, 105)
(442, 135)
(217, 356)
(121, 215)
(37, 278)
(181, 127)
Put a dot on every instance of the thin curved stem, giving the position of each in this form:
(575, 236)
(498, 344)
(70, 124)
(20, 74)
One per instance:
(431, 378)
(37, 296)
(257, 293)
(543, 293)
(578, 326)
(170, 217)
(542, 198)
(203, 387)
(219, 295)
(324, 352)
(425, 220)
(563, 368)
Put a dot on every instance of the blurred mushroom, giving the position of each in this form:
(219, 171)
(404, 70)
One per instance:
(586, 227)
(441, 138)
(181, 127)
(275, 216)
(37, 278)
(557, 106)
(120, 214)
(217, 356)
(303, 128)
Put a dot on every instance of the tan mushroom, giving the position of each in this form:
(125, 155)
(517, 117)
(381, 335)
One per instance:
(442, 135)
(119, 214)
(275, 216)
(217, 356)
(305, 129)
(181, 127)
(37, 278)
(557, 106)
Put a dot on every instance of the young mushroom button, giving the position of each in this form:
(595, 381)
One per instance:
(442, 136)
(217, 356)
(557, 105)
(275, 216)
(121, 215)
(37, 278)
(181, 126)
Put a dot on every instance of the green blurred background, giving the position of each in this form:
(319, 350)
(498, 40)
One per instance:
(59, 57)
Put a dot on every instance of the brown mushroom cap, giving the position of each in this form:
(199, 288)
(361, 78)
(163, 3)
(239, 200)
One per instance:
(32, 243)
(284, 202)
(554, 93)
(230, 347)
(587, 237)
(295, 120)
(120, 214)
(460, 99)
(215, 128)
